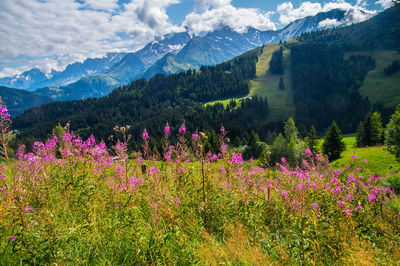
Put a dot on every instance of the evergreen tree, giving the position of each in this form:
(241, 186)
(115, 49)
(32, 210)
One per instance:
(376, 128)
(253, 138)
(364, 132)
(276, 62)
(333, 142)
(312, 139)
(370, 130)
(281, 84)
(278, 148)
(392, 138)
(290, 130)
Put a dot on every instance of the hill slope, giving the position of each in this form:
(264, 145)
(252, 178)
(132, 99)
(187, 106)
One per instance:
(17, 101)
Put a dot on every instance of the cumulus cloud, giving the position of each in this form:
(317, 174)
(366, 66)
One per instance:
(217, 13)
(354, 14)
(202, 5)
(102, 5)
(54, 33)
(385, 3)
(329, 23)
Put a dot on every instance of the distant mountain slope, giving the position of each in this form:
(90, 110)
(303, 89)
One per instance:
(90, 86)
(24, 81)
(170, 63)
(224, 44)
(17, 101)
(377, 38)
(161, 98)
(133, 65)
(34, 79)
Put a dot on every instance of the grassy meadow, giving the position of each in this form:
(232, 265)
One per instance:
(266, 84)
(74, 201)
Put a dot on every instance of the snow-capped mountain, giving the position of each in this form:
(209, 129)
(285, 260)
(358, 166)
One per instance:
(309, 24)
(34, 78)
(25, 80)
(224, 44)
(174, 53)
(134, 64)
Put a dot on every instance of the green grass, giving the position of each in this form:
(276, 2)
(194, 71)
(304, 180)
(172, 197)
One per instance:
(266, 84)
(377, 86)
(379, 159)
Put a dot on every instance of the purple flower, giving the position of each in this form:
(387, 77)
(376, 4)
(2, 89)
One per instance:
(315, 205)
(359, 207)
(354, 156)
(4, 115)
(195, 137)
(167, 130)
(12, 238)
(348, 212)
(182, 129)
(145, 135)
(371, 197)
(283, 160)
(308, 153)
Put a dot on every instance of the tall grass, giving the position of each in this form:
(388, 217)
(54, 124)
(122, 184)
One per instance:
(72, 201)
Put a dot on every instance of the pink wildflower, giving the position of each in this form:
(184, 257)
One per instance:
(167, 130)
(145, 135)
(182, 129)
(348, 212)
(195, 137)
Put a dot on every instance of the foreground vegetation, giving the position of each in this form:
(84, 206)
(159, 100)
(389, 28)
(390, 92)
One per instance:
(76, 202)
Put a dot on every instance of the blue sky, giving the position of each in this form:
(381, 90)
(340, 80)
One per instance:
(49, 34)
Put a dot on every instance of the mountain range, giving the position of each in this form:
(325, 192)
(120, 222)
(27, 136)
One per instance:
(335, 74)
(96, 77)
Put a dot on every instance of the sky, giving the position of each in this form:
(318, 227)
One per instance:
(50, 34)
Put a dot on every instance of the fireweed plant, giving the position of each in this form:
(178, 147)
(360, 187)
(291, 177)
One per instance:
(74, 201)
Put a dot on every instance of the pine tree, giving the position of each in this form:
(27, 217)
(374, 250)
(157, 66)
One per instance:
(290, 130)
(333, 142)
(312, 139)
(392, 138)
(370, 130)
(364, 132)
(376, 128)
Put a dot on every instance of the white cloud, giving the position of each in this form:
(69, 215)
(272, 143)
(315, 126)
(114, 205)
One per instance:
(224, 14)
(51, 34)
(289, 14)
(354, 14)
(102, 4)
(385, 3)
(202, 5)
(329, 23)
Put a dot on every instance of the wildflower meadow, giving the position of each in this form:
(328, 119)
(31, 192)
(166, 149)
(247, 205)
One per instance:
(74, 201)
